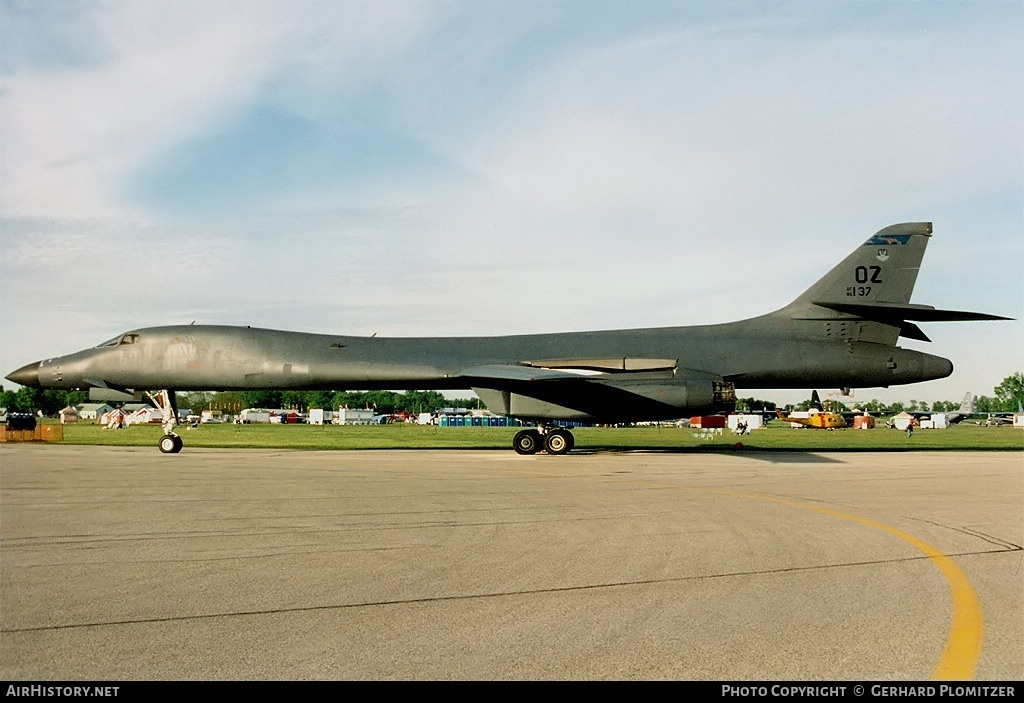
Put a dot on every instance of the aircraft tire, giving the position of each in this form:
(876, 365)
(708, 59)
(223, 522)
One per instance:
(170, 444)
(527, 442)
(558, 442)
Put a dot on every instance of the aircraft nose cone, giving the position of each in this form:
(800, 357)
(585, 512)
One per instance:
(27, 375)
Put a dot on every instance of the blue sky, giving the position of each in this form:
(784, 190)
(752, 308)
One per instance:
(450, 168)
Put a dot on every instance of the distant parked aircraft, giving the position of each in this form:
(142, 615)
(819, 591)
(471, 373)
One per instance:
(820, 419)
(966, 409)
(841, 332)
(1002, 418)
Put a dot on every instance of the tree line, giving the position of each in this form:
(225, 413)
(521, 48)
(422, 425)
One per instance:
(384, 402)
(50, 402)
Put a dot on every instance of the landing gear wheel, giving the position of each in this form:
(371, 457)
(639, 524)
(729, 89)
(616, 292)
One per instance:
(558, 442)
(167, 402)
(170, 444)
(527, 442)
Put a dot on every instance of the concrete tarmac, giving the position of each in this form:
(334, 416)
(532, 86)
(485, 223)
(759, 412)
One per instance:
(123, 563)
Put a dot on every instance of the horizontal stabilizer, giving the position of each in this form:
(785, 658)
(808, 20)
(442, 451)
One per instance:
(873, 286)
(912, 331)
(892, 312)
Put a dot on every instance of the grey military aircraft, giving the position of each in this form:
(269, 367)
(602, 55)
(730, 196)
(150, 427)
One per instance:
(968, 407)
(841, 332)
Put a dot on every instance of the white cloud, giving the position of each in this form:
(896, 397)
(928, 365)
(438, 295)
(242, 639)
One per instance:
(74, 134)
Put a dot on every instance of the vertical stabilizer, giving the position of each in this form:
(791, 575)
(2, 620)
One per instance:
(816, 401)
(882, 270)
(969, 404)
(867, 296)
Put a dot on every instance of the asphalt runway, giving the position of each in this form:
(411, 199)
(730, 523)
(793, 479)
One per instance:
(123, 563)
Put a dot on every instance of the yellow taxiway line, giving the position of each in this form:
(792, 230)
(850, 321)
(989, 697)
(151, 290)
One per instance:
(960, 656)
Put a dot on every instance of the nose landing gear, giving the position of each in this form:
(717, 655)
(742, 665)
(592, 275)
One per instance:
(166, 401)
(170, 444)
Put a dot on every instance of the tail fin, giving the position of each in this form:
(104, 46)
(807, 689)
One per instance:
(968, 405)
(816, 401)
(874, 284)
(882, 270)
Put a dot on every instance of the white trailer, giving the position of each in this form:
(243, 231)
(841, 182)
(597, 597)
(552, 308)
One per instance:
(319, 416)
(252, 416)
(754, 421)
(354, 417)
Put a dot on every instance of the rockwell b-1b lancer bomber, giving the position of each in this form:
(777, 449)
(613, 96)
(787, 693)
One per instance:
(841, 332)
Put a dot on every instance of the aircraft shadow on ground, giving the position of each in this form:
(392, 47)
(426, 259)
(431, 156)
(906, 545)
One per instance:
(774, 456)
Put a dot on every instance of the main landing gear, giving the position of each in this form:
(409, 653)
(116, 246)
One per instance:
(166, 401)
(553, 440)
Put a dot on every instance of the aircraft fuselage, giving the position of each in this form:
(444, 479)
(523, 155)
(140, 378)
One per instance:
(194, 357)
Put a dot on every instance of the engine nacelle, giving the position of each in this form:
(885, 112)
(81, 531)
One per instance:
(613, 399)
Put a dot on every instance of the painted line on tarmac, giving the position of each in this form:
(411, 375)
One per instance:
(960, 656)
(959, 659)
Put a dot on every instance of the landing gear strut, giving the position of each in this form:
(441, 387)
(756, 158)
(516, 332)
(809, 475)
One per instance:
(553, 440)
(166, 401)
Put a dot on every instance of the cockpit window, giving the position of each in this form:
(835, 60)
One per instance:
(129, 338)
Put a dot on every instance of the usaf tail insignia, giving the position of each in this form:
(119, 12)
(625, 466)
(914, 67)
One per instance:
(888, 240)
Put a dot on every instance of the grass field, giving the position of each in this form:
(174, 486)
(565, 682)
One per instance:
(776, 436)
